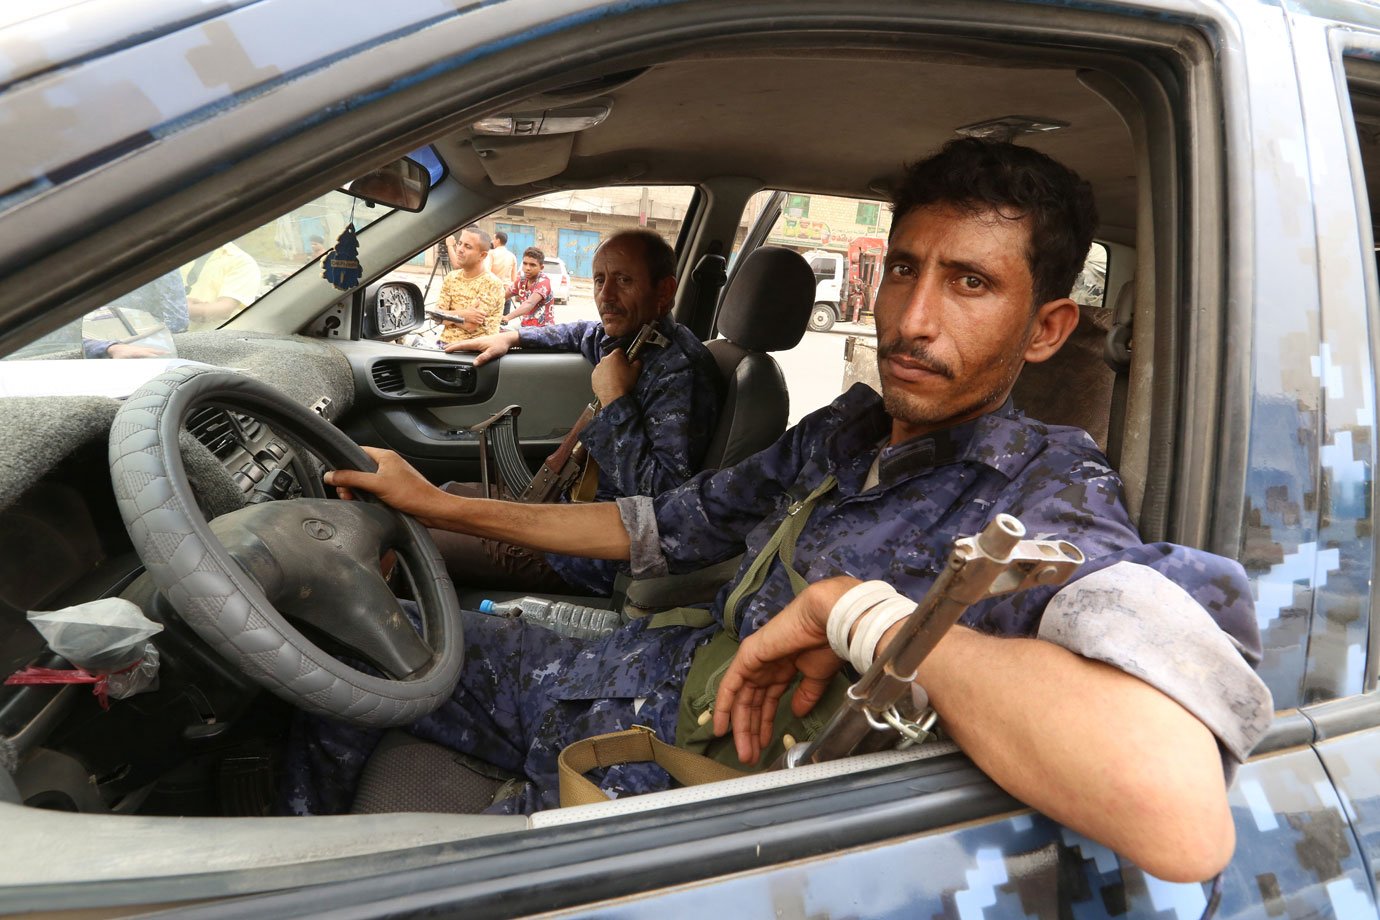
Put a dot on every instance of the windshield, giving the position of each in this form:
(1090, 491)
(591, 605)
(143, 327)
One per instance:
(208, 291)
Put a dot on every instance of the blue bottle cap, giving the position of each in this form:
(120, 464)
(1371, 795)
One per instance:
(486, 606)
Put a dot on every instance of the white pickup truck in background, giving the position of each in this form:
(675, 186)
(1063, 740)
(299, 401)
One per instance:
(830, 270)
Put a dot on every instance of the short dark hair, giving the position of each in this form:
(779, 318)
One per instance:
(535, 253)
(482, 234)
(1016, 182)
(501, 238)
(656, 252)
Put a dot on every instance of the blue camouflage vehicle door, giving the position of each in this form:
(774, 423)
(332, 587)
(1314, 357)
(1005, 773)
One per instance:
(1337, 50)
(1273, 464)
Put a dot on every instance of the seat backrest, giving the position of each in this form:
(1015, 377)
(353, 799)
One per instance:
(764, 309)
(1074, 387)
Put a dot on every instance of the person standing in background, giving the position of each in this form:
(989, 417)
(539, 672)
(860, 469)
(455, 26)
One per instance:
(532, 292)
(503, 266)
(471, 299)
(220, 284)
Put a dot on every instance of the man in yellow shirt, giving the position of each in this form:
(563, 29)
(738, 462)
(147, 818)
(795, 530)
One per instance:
(220, 284)
(471, 299)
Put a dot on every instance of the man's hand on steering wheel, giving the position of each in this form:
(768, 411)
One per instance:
(246, 580)
(396, 483)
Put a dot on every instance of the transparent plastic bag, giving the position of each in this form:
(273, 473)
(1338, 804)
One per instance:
(106, 642)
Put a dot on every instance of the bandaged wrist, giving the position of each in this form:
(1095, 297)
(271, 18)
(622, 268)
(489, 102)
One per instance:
(846, 610)
(862, 650)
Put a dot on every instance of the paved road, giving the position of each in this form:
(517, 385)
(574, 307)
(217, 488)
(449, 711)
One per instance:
(813, 369)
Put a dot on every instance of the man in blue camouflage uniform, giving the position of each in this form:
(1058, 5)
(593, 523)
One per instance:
(986, 242)
(657, 418)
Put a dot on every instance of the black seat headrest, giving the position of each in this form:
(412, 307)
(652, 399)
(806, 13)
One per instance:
(768, 300)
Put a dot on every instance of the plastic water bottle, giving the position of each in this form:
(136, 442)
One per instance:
(575, 621)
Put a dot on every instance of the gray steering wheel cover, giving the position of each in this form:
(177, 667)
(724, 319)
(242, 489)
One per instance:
(214, 596)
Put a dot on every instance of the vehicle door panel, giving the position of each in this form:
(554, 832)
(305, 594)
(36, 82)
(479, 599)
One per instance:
(1353, 763)
(1295, 857)
(422, 403)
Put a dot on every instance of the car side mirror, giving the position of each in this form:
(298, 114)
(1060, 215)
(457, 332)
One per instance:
(403, 184)
(392, 309)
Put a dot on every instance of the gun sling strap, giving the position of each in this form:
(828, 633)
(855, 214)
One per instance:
(698, 756)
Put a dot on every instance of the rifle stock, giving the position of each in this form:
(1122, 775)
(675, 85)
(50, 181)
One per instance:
(560, 469)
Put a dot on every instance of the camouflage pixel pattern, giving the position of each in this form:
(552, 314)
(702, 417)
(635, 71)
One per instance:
(527, 693)
(649, 441)
(1295, 858)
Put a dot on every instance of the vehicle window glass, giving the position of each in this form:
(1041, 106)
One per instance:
(566, 228)
(751, 212)
(823, 268)
(210, 289)
(844, 241)
(1090, 287)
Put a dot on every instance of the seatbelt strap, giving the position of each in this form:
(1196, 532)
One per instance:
(638, 744)
(781, 545)
(195, 271)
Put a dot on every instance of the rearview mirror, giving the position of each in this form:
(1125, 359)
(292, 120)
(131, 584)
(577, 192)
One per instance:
(402, 184)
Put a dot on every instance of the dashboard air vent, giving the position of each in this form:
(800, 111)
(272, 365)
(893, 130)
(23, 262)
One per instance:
(388, 378)
(212, 426)
(249, 425)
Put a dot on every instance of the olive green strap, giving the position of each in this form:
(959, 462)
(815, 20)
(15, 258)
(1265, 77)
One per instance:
(782, 543)
(696, 617)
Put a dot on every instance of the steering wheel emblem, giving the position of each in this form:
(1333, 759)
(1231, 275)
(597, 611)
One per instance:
(318, 530)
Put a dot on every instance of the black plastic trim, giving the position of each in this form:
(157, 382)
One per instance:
(1344, 716)
(554, 868)
(564, 867)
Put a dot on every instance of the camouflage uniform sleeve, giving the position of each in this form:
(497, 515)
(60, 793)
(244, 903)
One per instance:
(446, 303)
(644, 542)
(1186, 623)
(707, 520)
(578, 336)
(642, 440)
(445, 300)
(1138, 620)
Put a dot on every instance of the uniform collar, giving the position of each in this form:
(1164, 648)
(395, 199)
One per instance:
(1002, 439)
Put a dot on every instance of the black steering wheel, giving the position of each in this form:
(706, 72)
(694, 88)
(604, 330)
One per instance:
(316, 560)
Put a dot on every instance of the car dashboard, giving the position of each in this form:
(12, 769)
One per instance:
(63, 542)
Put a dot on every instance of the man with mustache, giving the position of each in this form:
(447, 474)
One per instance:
(1072, 713)
(651, 434)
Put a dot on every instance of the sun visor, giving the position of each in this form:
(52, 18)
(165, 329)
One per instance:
(522, 160)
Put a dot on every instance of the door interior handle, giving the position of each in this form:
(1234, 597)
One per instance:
(453, 378)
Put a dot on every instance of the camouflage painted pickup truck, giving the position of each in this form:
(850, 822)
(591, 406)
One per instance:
(170, 184)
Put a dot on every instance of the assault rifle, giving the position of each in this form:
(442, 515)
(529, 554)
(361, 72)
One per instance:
(880, 708)
(567, 462)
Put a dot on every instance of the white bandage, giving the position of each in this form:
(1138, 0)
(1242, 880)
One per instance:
(862, 650)
(853, 604)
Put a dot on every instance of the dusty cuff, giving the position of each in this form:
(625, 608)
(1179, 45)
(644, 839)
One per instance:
(639, 520)
(1138, 621)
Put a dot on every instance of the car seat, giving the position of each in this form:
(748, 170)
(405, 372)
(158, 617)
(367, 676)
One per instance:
(764, 309)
